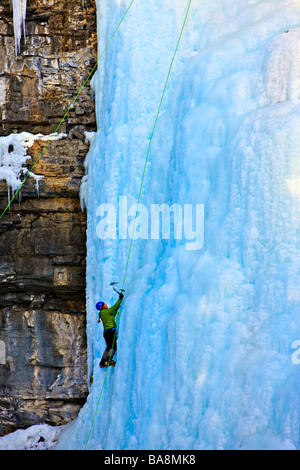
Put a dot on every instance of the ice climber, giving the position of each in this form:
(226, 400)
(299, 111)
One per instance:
(107, 316)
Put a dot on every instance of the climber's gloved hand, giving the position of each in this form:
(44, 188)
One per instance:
(121, 296)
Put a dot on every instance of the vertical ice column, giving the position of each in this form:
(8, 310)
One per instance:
(19, 9)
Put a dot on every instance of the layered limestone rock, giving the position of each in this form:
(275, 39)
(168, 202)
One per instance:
(37, 87)
(43, 376)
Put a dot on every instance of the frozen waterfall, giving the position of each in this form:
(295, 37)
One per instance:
(205, 348)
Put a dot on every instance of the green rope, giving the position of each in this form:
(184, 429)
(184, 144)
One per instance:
(150, 142)
(138, 205)
(69, 109)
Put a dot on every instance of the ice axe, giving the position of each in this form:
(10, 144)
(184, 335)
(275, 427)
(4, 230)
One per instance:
(113, 284)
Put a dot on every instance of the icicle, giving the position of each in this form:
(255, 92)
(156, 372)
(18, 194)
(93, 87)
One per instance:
(19, 9)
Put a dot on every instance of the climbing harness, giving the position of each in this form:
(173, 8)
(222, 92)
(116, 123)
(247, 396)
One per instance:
(138, 205)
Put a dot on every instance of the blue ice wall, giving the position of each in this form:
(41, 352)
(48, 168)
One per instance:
(205, 340)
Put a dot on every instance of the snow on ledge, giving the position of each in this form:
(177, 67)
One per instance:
(13, 155)
(38, 437)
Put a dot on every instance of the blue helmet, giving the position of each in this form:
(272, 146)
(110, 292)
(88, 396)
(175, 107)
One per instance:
(99, 305)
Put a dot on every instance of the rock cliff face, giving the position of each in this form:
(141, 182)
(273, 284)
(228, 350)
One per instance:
(43, 376)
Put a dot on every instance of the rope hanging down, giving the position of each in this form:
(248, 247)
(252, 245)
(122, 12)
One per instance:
(137, 210)
(69, 109)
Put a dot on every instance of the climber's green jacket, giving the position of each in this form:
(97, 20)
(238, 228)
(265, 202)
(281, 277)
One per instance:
(107, 315)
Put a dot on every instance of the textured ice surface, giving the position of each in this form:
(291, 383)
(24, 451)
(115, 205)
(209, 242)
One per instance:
(205, 341)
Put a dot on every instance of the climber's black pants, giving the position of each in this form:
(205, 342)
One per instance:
(111, 345)
(109, 336)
